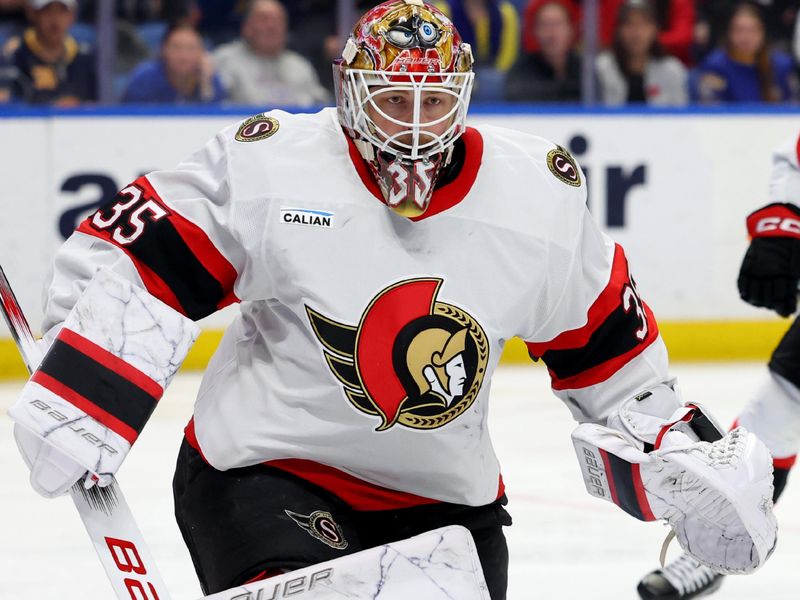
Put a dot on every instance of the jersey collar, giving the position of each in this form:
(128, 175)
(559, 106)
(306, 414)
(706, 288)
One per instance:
(445, 196)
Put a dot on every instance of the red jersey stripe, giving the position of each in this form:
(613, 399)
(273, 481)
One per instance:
(202, 246)
(152, 282)
(605, 370)
(357, 493)
(784, 463)
(608, 301)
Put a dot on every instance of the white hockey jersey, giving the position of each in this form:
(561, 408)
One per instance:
(784, 183)
(363, 354)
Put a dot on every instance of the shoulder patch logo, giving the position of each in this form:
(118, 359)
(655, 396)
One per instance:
(562, 165)
(257, 128)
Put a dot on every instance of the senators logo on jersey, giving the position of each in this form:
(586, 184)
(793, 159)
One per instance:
(412, 360)
(257, 128)
(562, 165)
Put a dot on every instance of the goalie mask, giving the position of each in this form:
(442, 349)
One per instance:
(402, 92)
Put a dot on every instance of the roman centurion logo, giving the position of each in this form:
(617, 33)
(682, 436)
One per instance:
(257, 128)
(412, 360)
(562, 165)
(320, 525)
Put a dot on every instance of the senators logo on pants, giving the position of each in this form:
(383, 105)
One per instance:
(320, 525)
(412, 360)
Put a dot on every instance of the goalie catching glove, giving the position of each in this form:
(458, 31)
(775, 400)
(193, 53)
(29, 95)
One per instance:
(715, 491)
(98, 384)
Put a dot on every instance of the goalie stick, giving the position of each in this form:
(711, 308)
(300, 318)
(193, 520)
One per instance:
(105, 513)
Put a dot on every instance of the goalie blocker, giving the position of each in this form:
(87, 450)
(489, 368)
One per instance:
(98, 384)
(715, 491)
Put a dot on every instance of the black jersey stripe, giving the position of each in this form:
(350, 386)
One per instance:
(162, 250)
(176, 259)
(614, 337)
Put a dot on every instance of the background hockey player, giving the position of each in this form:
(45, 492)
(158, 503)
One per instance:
(382, 254)
(769, 277)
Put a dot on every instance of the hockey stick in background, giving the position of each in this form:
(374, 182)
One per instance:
(105, 513)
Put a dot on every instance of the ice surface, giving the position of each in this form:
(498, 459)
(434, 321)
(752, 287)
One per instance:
(564, 544)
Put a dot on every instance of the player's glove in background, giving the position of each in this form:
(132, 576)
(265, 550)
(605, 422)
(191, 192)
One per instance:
(770, 271)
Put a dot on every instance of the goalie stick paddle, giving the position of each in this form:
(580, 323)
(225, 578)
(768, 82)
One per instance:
(104, 511)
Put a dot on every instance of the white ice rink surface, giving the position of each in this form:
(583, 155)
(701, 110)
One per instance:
(564, 544)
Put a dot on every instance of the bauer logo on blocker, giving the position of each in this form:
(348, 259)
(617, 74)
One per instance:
(307, 216)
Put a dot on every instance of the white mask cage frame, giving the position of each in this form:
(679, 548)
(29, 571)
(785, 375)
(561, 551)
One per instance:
(413, 141)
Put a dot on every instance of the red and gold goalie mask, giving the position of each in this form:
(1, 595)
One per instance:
(403, 87)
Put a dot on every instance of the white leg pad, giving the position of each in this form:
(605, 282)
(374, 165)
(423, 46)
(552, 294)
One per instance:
(438, 565)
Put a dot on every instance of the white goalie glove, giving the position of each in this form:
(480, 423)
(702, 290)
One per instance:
(714, 490)
(87, 402)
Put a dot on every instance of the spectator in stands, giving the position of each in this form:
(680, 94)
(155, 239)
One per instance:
(778, 16)
(183, 73)
(746, 68)
(675, 20)
(491, 27)
(636, 69)
(259, 70)
(50, 66)
(553, 72)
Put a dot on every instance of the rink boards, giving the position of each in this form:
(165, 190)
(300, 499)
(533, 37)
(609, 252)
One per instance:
(673, 187)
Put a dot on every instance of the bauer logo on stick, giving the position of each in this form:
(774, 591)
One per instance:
(257, 128)
(562, 165)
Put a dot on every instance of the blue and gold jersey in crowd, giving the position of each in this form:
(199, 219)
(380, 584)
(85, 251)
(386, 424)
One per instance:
(69, 80)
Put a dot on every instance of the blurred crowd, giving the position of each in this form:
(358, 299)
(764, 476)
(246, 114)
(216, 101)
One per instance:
(279, 52)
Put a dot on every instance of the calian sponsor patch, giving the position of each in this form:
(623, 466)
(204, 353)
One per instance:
(307, 216)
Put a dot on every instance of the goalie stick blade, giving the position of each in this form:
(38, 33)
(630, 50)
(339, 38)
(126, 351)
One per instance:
(437, 565)
(105, 513)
